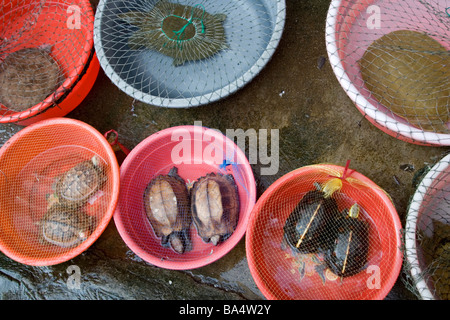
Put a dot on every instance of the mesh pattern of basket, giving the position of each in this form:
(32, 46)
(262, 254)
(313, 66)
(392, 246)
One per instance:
(427, 235)
(58, 192)
(186, 196)
(45, 48)
(324, 232)
(392, 58)
(183, 53)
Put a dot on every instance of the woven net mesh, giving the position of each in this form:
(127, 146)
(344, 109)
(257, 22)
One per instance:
(316, 236)
(56, 192)
(44, 48)
(184, 202)
(427, 235)
(393, 60)
(183, 53)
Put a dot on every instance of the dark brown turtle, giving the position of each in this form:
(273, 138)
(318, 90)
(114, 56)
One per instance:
(215, 207)
(27, 77)
(348, 254)
(307, 228)
(77, 185)
(65, 227)
(166, 202)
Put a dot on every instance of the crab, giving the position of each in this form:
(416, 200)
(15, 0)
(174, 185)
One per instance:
(75, 186)
(182, 32)
(27, 77)
(215, 207)
(65, 227)
(166, 203)
(348, 254)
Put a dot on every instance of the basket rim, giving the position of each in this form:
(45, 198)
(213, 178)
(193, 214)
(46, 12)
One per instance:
(103, 223)
(198, 100)
(397, 264)
(382, 120)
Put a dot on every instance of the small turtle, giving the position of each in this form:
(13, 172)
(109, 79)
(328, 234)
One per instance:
(77, 185)
(348, 254)
(65, 227)
(27, 77)
(166, 202)
(307, 227)
(215, 207)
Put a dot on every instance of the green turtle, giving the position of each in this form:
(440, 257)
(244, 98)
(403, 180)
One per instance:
(182, 32)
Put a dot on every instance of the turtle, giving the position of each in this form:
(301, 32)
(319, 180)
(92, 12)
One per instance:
(166, 203)
(75, 186)
(348, 253)
(65, 226)
(182, 32)
(27, 77)
(215, 207)
(307, 229)
(408, 72)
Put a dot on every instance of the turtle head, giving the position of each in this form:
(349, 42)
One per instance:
(96, 161)
(353, 212)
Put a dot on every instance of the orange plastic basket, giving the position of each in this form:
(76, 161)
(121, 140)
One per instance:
(31, 164)
(281, 273)
(66, 27)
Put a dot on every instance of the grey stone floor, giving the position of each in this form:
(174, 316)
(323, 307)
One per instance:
(317, 122)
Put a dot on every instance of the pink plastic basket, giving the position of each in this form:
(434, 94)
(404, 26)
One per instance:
(156, 155)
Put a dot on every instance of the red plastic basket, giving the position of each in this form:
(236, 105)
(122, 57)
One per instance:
(280, 274)
(68, 28)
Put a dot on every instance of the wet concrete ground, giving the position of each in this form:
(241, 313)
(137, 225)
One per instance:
(317, 122)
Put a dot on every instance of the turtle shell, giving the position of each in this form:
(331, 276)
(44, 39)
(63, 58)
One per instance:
(408, 72)
(182, 32)
(65, 227)
(166, 202)
(307, 228)
(27, 77)
(78, 184)
(215, 207)
(348, 254)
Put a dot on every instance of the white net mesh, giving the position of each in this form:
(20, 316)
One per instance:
(45, 48)
(183, 53)
(393, 60)
(427, 235)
